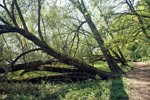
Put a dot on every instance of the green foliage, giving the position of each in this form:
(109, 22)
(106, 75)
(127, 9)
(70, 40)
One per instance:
(128, 35)
(32, 74)
(138, 50)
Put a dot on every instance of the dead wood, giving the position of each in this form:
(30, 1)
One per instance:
(68, 77)
(28, 65)
(50, 69)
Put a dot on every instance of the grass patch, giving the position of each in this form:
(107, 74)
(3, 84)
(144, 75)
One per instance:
(16, 74)
(88, 90)
(102, 66)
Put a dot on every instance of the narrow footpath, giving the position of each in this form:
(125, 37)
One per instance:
(140, 81)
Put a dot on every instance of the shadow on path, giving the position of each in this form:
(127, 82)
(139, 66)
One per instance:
(117, 91)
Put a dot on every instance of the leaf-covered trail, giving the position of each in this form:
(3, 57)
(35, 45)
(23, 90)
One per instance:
(140, 81)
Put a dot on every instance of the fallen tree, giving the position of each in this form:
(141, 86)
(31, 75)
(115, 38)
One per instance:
(39, 66)
(61, 57)
(29, 65)
(51, 69)
(67, 77)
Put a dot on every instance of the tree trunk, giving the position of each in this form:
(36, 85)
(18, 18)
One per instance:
(39, 66)
(29, 65)
(120, 57)
(110, 61)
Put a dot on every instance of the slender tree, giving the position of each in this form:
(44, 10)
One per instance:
(82, 8)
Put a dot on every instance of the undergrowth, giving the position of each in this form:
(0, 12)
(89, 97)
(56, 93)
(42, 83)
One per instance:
(87, 90)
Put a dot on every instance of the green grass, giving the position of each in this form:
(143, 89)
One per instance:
(88, 90)
(102, 66)
(17, 74)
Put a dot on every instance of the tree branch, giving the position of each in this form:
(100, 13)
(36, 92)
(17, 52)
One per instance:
(20, 15)
(139, 19)
(39, 20)
(24, 53)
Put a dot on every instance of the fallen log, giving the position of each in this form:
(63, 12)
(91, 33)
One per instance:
(50, 69)
(36, 66)
(59, 69)
(26, 65)
(68, 77)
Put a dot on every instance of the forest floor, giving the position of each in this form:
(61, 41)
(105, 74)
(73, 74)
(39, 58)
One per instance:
(136, 86)
(140, 81)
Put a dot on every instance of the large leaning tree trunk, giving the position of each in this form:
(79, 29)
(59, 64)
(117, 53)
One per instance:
(50, 51)
(110, 61)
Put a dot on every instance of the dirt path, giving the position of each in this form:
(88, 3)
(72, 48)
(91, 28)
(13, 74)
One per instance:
(140, 81)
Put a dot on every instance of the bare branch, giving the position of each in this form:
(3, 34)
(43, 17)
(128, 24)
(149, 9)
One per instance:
(12, 12)
(76, 34)
(22, 54)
